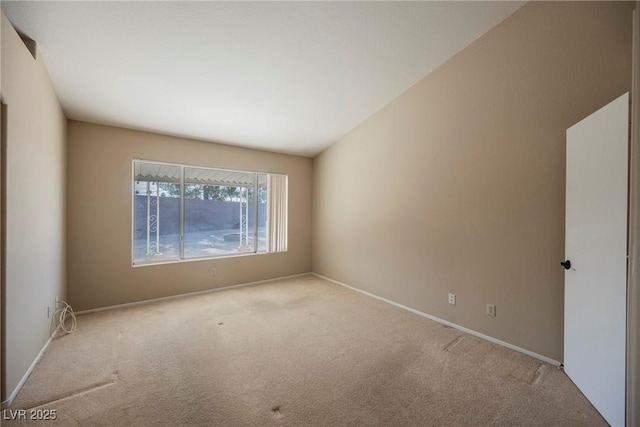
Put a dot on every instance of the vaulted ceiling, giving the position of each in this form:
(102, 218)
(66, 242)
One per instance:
(290, 77)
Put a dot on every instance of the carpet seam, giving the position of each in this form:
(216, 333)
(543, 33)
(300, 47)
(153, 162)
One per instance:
(71, 396)
(452, 344)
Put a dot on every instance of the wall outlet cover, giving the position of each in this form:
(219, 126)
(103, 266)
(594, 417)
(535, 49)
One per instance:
(491, 310)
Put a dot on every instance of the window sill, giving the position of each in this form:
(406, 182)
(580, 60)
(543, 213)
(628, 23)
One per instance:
(180, 261)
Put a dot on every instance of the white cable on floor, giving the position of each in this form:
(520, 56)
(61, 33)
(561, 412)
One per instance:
(64, 313)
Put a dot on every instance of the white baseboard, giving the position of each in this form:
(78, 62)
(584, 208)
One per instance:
(6, 403)
(445, 322)
(189, 294)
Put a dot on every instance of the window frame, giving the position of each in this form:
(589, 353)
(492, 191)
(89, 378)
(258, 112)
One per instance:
(181, 256)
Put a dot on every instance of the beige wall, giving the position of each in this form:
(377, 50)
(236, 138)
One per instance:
(35, 205)
(458, 184)
(99, 217)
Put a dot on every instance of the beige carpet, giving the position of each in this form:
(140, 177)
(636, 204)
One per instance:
(297, 352)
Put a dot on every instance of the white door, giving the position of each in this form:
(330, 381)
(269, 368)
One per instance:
(595, 298)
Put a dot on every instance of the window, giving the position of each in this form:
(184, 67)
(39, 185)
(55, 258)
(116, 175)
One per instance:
(186, 212)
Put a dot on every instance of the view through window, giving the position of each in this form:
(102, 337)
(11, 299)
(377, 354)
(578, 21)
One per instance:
(186, 212)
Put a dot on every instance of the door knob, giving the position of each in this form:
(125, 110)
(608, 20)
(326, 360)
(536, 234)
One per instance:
(566, 264)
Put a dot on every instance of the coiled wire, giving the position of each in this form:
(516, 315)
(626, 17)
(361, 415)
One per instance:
(62, 316)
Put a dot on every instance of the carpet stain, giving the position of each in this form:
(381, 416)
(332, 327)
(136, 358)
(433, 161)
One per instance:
(277, 413)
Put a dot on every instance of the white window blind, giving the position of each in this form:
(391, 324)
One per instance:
(277, 213)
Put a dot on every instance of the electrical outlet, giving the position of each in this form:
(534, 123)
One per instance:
(213, 272)
(452, 299)
(491, 310)
(57, 301)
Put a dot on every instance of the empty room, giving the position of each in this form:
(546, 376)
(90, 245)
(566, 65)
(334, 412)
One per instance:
(379, 213)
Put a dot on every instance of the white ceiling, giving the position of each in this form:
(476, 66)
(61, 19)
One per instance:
(290, 77)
